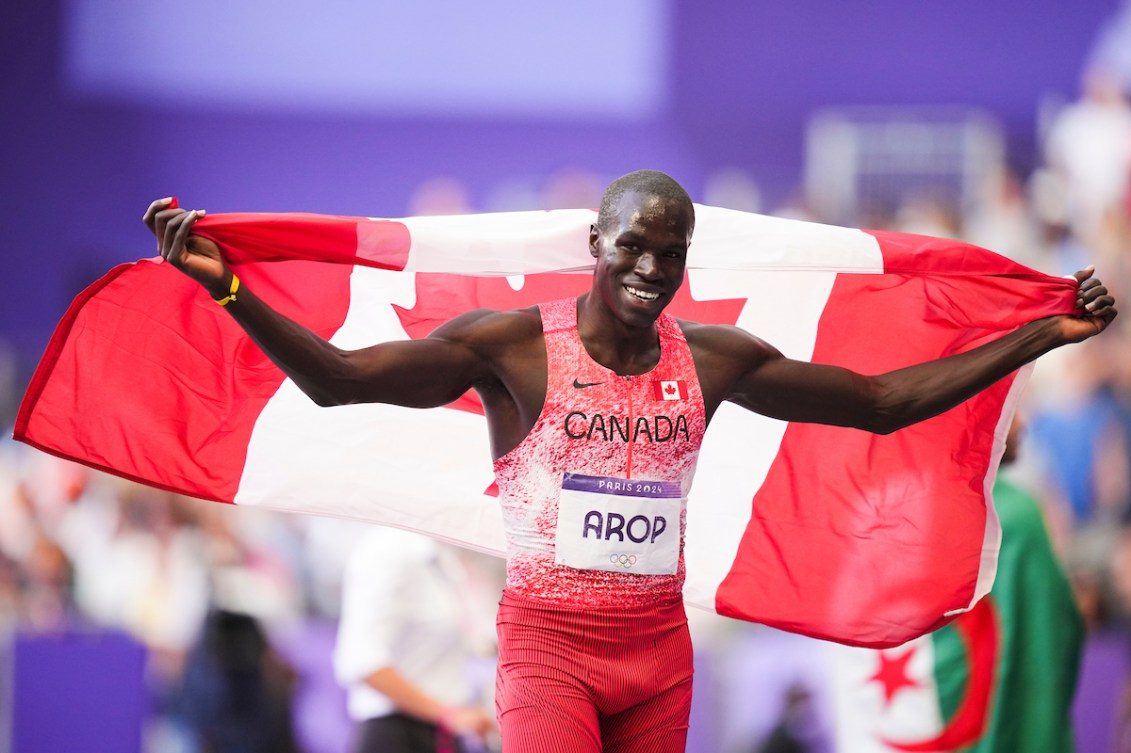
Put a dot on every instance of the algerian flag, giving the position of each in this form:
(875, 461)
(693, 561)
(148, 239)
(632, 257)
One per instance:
(1000, 678)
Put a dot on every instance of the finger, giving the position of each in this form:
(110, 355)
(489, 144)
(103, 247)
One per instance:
(1085, 273)
(175, 231)
(161, 222)
(150, 216)
(1100, 306)
(1090, 290)
(185, 228)
(166, 228)
(1090, 283)
(1088, 298)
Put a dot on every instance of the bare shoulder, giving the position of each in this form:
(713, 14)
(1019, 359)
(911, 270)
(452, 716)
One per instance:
(720, 343)
(724, 357)
(489, 330)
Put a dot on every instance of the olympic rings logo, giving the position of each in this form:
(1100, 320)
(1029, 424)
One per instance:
(622, 560)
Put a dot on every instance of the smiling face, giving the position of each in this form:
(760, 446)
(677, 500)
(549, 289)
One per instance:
(641, 253)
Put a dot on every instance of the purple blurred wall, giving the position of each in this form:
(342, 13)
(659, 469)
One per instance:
(741, 79)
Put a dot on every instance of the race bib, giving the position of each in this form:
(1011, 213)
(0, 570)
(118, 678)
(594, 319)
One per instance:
(620, 525)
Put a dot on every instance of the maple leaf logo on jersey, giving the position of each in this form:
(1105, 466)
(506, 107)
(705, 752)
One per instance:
(669, 389)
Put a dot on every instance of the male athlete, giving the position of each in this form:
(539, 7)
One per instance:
(591, 657)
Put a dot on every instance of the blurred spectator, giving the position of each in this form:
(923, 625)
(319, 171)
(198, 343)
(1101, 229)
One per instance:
(1004, 223)
(1089, 148)
(236, 693)
(1112, 49)
(404, 646)
(47, 587)
(147, 576)
(1074, 429)
(929, 214)
(11, 601)
(798, 729)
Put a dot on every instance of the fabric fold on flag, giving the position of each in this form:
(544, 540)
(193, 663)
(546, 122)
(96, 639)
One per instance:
(831, 532)
(1000, 677)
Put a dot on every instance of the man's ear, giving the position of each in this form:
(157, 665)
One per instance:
(594, 240)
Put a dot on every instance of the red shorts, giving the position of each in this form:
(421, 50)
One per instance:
(588, 680)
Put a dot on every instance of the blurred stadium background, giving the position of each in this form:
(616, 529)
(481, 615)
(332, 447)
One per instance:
(1006, 124)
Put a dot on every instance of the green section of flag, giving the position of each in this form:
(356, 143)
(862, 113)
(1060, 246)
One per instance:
(951, 669)
(1040, 640)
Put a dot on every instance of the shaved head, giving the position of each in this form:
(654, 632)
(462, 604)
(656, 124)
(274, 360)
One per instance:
(646, 183)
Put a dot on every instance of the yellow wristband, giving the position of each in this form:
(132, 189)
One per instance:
(231, 296)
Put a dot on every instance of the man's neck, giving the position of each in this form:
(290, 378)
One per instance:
(620, 347)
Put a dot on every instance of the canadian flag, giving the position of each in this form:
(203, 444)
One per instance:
(793, 525)
(670, 389)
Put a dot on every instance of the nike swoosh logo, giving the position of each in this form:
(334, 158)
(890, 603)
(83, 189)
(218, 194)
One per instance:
(583, 385)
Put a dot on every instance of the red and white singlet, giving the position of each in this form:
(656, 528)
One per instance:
(594, 498)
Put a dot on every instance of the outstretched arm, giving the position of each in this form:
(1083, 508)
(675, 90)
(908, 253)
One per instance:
(758, 377)
(420, 373)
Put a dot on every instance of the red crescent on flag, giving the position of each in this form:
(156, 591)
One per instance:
(979, 631)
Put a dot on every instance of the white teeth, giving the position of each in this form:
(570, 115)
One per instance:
(642, 295)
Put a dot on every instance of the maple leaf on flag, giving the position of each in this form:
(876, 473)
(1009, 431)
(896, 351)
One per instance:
(441, 297)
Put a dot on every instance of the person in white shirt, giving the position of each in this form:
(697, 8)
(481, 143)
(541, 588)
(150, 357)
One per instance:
(404, 646)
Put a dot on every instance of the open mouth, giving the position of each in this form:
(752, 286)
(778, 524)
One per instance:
(642, 295)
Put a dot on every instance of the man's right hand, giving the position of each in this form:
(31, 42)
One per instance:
(197, 257)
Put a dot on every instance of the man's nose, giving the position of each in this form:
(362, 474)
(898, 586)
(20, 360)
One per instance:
(647, 266)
